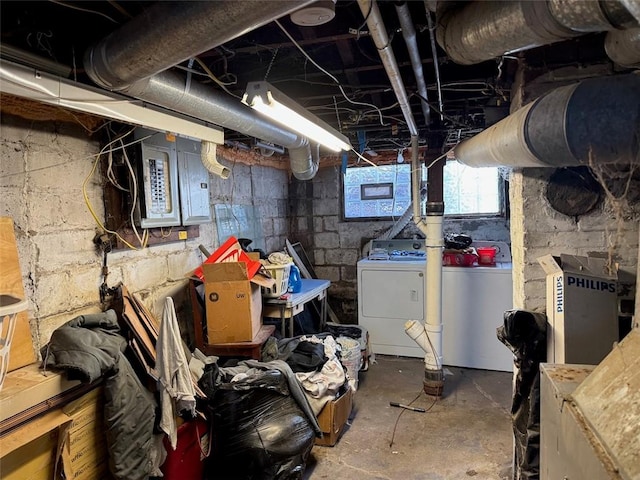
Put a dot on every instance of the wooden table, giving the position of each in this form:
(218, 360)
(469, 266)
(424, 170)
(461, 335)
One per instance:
(287, 306)
(252, 349)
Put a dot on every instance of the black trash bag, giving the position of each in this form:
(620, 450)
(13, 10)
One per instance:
(259, 431)
(524, 333)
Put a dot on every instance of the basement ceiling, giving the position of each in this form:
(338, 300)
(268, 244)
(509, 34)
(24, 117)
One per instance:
(473, 96)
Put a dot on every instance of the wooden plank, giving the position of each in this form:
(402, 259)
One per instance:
(33, 430)
(151, 320)
(21, 352)
(28, 386)
(137, 329)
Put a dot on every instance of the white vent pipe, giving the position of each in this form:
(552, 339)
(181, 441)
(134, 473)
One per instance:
(210, 161)
(432, 228)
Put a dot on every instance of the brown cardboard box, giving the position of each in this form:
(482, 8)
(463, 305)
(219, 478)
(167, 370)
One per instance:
(84, 452)
(29, 451)
(333, 418)
(233, 302)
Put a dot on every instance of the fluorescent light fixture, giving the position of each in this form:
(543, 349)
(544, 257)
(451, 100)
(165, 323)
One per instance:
(31, 83)
(271, 102)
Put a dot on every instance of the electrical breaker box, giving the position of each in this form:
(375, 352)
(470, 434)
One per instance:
(195, 204)
(173, 184)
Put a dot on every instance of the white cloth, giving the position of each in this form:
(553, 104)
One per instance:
(174, 378)
(323, 385)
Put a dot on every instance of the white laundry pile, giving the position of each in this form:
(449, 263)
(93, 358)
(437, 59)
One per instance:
(322, 386)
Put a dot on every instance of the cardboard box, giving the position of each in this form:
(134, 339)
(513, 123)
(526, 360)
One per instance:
(29, 451)
(582, 309)
(233, 302)
(84, 452)
(333, 418)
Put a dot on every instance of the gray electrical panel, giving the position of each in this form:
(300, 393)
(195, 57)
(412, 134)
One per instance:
(194, 186)
(173, 184)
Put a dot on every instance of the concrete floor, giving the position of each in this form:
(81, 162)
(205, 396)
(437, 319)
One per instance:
(464, 434)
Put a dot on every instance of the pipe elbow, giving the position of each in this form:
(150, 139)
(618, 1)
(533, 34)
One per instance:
(304, 161)
(210, 160)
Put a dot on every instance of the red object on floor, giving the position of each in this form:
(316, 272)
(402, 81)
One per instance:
(186, 462)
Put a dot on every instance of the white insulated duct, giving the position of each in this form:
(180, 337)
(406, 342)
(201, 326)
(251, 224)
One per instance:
(595, 120)
(210, 161)
(484, 30)
(432, 228)
(133, 60)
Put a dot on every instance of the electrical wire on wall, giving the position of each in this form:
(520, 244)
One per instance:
(106, 150)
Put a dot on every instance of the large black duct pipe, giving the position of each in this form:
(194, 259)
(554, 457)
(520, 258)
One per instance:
(596, 120)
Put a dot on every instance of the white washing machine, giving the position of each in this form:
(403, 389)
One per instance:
(474, 299)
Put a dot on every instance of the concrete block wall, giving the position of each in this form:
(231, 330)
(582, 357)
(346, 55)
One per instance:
(266, 189)
(537, 229)
(42, 170)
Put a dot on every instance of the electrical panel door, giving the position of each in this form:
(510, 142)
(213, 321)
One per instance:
(195, 203)
(159, 205)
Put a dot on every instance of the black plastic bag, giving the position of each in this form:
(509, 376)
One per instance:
(259, 431)
(524, 333)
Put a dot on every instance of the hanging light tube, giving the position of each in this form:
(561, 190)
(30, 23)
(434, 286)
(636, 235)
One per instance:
(271, 102)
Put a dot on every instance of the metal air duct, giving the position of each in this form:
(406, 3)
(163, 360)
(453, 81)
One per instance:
(596, 120)
(169, 33)
(623, 47)
(484, 30)
(132, 58)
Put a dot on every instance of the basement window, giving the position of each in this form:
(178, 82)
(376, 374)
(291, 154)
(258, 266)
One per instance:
(384, 192)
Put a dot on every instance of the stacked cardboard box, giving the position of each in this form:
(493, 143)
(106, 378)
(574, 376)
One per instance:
(84, 450)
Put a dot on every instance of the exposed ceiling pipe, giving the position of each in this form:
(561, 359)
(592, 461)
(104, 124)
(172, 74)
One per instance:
(133, 60)
(378, 32)
(623, 47)
(484, 30)
(169, 33)
(170, 90)
(596, 120)
(432, 228)
(434, 54)
(409, 35)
